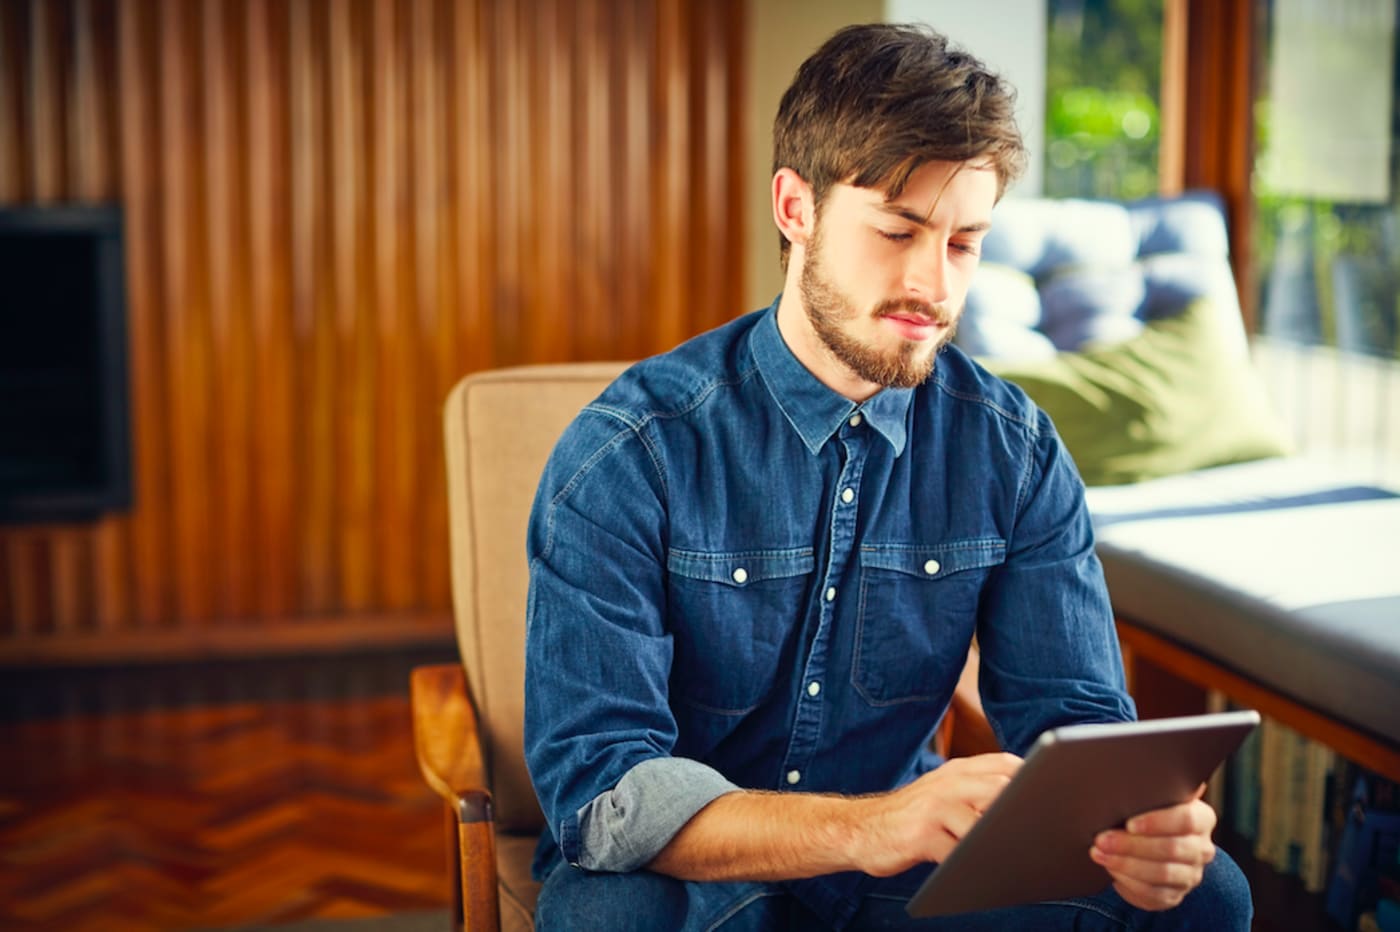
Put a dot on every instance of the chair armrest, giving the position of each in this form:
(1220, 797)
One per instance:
(446, 740)
(447, 744)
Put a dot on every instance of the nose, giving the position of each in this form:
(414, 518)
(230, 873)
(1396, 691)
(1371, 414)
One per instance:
(926, 275)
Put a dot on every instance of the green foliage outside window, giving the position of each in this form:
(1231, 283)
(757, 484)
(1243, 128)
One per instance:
(1103, 84)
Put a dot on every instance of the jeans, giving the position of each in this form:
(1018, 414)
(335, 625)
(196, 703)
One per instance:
(579, 901)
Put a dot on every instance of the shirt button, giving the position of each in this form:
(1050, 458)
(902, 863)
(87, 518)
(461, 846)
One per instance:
(931, 567)
(831, 594)
(741, 575)
(794, 776)
(813, 688)
(848, 496)
(855, 420)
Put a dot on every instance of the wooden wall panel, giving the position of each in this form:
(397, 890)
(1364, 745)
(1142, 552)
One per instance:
(334, 209)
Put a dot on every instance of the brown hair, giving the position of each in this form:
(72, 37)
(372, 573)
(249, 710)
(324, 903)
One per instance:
(877, 101)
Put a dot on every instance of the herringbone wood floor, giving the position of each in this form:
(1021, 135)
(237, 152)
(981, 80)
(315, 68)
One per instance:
(214, 796)
(250, 793)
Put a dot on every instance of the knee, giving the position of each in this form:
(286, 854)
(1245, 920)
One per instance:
(1222, 901)
(573, 900)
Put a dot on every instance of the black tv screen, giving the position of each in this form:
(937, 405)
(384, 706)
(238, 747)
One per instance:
(65, 450)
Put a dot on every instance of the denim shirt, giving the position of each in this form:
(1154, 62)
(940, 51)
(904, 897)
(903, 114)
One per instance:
(741, 579)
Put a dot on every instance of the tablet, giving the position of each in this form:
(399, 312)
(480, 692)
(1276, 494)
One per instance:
(1032, 844)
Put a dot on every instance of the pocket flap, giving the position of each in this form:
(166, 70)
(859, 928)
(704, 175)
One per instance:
(937, 561)
(739, 568)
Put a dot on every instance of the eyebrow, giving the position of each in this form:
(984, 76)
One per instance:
(913, 216)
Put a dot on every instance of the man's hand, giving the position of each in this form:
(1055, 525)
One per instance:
(921, 822)
(1160, 856)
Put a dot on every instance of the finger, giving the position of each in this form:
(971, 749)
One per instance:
(1166, 875)
(973, 785)
(1181, 849)
(1189, 818)
(979, 793)
(996, 762)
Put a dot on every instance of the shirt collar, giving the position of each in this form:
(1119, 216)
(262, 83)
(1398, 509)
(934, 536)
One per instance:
(815, 411)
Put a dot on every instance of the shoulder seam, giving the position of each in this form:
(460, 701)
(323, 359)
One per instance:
(985, 402)
(634, 425)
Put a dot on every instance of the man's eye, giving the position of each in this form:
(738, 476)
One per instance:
(965, 248)
(896, 237)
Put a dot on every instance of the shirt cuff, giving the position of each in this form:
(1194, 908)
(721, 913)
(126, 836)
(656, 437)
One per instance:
(626, 827)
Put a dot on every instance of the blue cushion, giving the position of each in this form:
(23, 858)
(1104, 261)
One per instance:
(1092, 305)
(1066, 274)
(1003, 314)
(1039, 236)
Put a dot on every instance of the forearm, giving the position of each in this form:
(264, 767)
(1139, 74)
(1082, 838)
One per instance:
(750, 835)
(786, 836)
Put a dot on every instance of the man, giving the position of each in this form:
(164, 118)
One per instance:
(758, 562)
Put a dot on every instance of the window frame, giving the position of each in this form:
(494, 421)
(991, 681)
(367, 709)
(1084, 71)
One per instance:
(1208, 50)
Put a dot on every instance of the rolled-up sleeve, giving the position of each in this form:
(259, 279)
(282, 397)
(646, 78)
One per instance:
(627, 826)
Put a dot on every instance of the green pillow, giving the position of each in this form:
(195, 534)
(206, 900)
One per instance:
(1177, 397)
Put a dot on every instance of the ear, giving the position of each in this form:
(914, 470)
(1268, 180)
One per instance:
(794, 208)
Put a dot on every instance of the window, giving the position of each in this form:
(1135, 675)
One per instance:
(1325, 179)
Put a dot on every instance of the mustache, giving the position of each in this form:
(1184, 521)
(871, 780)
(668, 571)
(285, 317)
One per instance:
(941, 314)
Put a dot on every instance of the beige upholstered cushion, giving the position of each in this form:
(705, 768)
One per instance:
(500, 427)
(518, 891)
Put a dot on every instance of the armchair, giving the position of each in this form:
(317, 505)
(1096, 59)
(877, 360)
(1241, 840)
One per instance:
(468, 718)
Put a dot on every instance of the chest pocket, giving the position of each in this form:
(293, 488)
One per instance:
(732, 614)
(918, 612)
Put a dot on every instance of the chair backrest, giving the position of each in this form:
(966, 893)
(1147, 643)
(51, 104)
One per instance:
(500, 427)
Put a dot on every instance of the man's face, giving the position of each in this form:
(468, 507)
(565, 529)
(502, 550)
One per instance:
(883, 281)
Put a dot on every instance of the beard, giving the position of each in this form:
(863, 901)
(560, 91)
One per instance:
(829, 309)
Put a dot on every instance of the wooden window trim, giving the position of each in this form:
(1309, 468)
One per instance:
(1208, 116)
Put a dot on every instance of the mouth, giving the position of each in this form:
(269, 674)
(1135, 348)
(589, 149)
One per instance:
(913, 325)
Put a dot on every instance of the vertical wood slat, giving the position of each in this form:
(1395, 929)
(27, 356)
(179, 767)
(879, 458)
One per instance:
(96, 167)
(226, 245)
(511, 203)
(550, 170)
(14, 31)
(140, 168)
(12, 172)
(186, 395)
(274, 468)
(640, 224)
(354, 346)
(436, 346)
(396, 377)
(472, 87)
(672, 172)
(60, 553)
(333, 211)
(312, 296)
(45, 99)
